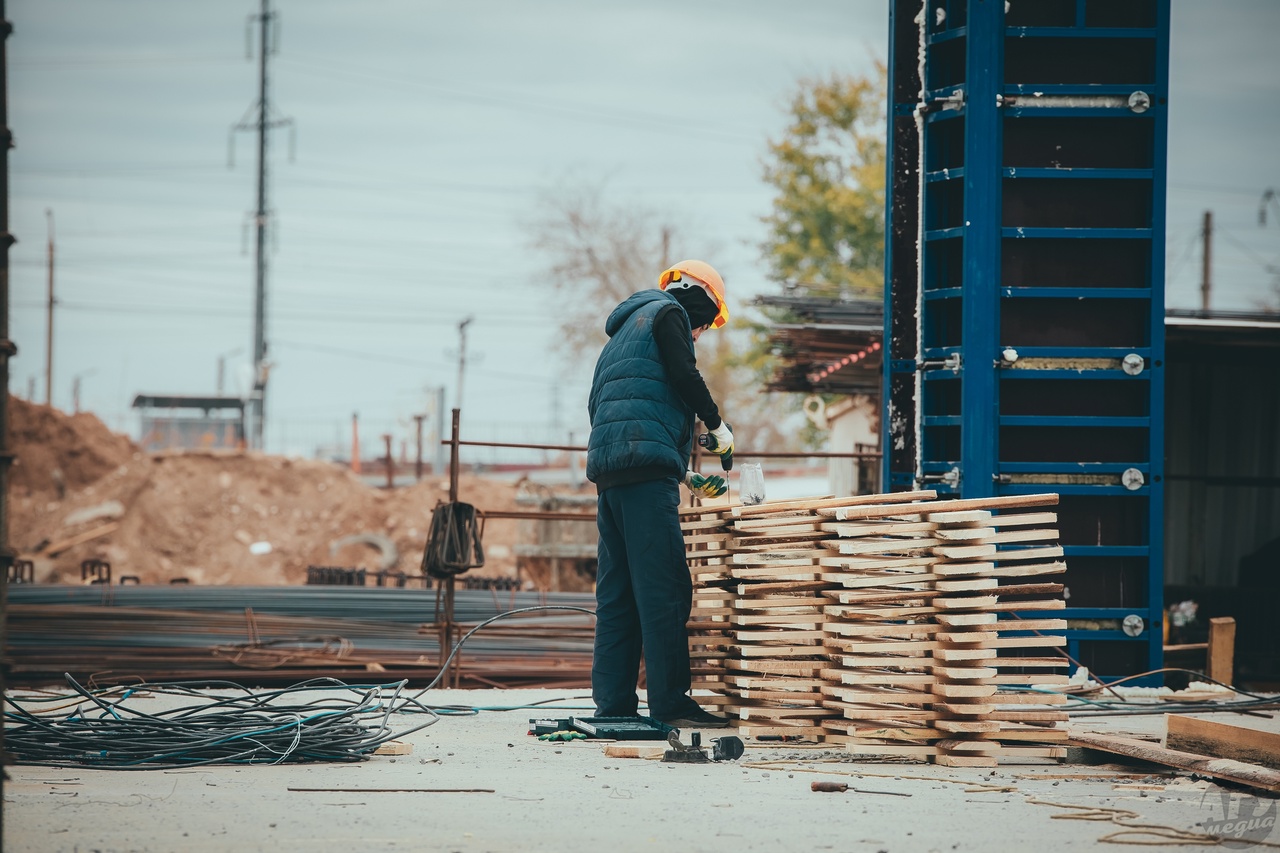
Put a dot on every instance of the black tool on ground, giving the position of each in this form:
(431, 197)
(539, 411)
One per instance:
(727, 748)
(708, 441)
(454, 543)
(605, 728)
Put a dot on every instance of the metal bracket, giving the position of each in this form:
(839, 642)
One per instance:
(951, 362)
(951, 478)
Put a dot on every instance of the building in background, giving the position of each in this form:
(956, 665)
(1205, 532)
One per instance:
(182, 422)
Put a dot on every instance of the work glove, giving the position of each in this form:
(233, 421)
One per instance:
(705, 487)
(721, 440)
(563, 734)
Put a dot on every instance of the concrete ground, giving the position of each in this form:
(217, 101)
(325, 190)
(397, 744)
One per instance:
(568, 797)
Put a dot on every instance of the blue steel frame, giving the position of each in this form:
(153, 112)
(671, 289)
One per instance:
(983, 100)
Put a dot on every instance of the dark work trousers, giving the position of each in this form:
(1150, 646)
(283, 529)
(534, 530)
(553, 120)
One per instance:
(643, 596)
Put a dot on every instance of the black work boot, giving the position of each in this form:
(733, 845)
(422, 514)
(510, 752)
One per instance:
(699, 719)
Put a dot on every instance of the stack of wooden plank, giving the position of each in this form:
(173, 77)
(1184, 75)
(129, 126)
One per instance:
(890, 623)
(707, 534)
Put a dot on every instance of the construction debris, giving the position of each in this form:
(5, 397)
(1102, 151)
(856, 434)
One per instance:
(80, 491)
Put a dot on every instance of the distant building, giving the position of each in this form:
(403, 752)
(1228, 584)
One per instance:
(180, 422)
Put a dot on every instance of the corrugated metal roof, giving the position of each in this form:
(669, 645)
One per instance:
(827, 345)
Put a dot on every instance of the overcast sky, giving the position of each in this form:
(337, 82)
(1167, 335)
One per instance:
(426, 132)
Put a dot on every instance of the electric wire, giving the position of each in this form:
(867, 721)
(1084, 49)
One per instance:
(245, 728)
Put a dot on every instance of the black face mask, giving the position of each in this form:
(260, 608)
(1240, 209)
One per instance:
(697, 304)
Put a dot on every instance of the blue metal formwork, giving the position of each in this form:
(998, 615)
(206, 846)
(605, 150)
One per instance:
(1024, 307)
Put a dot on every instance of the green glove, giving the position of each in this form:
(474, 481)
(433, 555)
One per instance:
(706, 487)
(563, 734)
(721, 440)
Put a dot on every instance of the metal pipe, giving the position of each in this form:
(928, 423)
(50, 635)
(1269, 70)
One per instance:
(763, 454)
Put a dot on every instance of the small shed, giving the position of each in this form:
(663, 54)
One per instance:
(186, 422)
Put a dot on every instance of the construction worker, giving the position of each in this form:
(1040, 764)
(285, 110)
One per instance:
(645, 394)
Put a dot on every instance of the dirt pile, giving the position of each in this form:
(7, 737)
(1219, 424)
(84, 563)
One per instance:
(58, 453)
(217, 517)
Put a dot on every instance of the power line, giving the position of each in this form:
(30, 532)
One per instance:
(525, 102)
(150, 309)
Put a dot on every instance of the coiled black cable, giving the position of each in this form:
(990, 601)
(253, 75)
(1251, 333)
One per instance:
(270, 727)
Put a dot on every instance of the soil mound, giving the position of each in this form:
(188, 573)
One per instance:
(215, 517)
(58, 453)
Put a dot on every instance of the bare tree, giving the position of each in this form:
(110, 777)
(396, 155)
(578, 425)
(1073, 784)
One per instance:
(597, 254)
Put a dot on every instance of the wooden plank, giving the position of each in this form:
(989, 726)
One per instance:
(761, 712)
(779, 558)
(1035, 535)
(1017, 571)
(908, 660)
(975, 602)
(53, 549)
(777, 526)
(960, 518)
(790, 636)
(960, 619)
(794, 697)
(1006, 642)
(967, 568)
(1222, 649)
(856, 530)
(773, 573)
(823, 503)
(778, 667)
(906, 750)
(891, 679)
(1010, 554)
(889, 630)
(1230, 769)
(1021, 716)
(1027, 606)
(1023, 518)
(809, 616)
(909, 547)
(769, 602)
(755, 541)
(720, 509)
(964, 552)
(759, 589)
(701, 524)
(394, 747)
(963, 534)
(850, 581)
(773, 683)
(1222, 740)
(863, 564)
(998, 502)
(965, 584)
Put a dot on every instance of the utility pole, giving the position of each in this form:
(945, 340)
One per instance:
(417, 465)
(439, 463)
(462, 358)
(7, 351)
(259, 118)
(48, 341)
(1206, 273)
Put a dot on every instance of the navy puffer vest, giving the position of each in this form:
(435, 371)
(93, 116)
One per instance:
(640, 428)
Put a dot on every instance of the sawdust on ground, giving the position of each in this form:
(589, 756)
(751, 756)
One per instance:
(196, 514)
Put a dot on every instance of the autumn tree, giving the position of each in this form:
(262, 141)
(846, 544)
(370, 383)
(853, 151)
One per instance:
(826, 225)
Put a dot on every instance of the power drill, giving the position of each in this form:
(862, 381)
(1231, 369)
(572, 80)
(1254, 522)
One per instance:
(708, 441)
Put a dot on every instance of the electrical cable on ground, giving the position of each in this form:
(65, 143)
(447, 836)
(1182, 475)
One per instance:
(246, 728)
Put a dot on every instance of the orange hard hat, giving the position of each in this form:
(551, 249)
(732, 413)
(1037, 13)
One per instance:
(704, 274)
